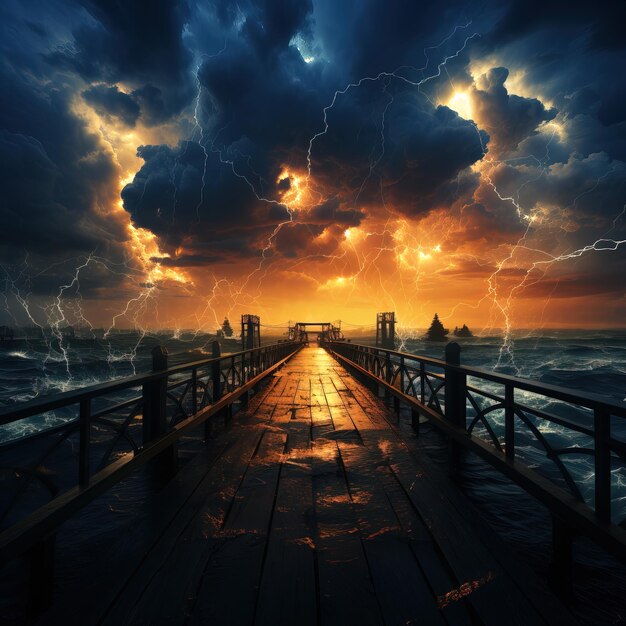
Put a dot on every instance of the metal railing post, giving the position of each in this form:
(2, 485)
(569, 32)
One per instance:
(388, 372)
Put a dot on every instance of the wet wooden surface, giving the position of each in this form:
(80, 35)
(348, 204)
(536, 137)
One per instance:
(313, 508)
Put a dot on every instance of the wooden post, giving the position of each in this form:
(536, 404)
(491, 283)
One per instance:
(155, 416)
(454, 399)
(602, 458)
(561, 567)
(216, 382)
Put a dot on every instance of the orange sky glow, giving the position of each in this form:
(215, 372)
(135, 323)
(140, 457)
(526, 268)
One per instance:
(449, 261)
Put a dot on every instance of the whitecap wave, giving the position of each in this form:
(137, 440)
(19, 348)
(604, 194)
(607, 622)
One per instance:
(18, 354)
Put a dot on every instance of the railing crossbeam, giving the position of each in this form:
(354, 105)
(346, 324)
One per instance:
(570, 512)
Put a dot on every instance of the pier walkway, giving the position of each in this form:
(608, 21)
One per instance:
(311, 508)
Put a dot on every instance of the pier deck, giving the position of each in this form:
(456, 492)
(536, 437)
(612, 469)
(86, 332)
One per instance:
(311, 508)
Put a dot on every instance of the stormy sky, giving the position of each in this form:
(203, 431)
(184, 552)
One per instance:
(166, 163)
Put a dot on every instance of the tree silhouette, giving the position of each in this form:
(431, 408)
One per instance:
(227, 329)
(436, 332)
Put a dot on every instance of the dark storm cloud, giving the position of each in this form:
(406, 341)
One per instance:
(139, 43)
(599, 22)
(418, 165)
(111, 102)
(184, 192)
(292, 241)
(574, 54)
(579, 286)
(368, 37)
(185, 195)
(189, 260)
(260, 97)
(591, 189)
(331, 212)
(509, 119)
(54, 174)
(388, 145)
(483, 223)
(261, 103)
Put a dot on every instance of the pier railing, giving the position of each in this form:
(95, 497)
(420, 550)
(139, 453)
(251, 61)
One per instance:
(528, 430)
(101, 433)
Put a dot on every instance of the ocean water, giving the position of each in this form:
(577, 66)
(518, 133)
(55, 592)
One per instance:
(36, 368)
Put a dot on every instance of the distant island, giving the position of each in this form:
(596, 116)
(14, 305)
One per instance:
(464, 331)
(437, 332)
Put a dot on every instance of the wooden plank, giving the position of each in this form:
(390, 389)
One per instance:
(161, 587)
(317, 392)
(287, 592)
(537, 592)
(100, 587)
(488, 587)
(416, 534)
(346, 594)
(403, 591)
(454, 608)
(227, 593)
(184, 548)
(321, 421)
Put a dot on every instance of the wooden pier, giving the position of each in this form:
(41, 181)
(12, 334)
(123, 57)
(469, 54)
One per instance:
(311, 509)
(313, 505)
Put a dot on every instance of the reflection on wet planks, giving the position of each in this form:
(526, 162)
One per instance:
(317, 512)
